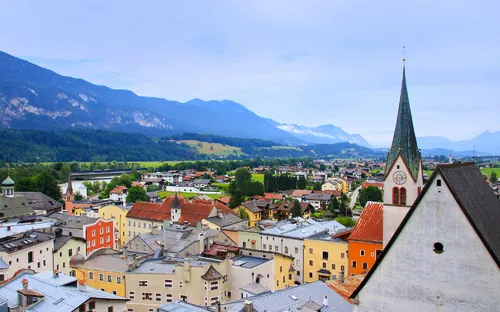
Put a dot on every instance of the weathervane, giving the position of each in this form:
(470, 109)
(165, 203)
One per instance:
(404, 53)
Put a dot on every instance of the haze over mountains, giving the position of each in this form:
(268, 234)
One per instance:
(32, 97)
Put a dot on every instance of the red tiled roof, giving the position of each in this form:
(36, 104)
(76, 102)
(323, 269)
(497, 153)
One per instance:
(148, 211)
(118, 190)
(369, 227)
(346, 288)
(224, 199)
(297, 193)
(376, 184)
(136, 183)
(269, 196)
(219, 247)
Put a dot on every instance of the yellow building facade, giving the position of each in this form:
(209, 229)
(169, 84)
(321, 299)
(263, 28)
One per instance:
(104, 270)
(119, 215)
(324, 258)
(284, 272)
(66, 247)
(336, 184)
(253, 217)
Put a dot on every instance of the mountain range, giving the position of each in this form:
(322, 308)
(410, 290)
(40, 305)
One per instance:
(32, 97)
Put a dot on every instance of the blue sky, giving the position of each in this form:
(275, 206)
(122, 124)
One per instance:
(305, 62)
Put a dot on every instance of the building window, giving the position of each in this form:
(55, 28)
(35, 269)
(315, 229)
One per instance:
(403, 197)
(324, 265)
(101, 277)
(325, 255)
(93, 242)
(110, 279)
(168, 297)
(296, 250)
(107, 229)
(333, 266)
(131, 295)
(92, 305)
(354, 264)
(183, 297)
(44, 262)
(342, 268)
(101, 230)
(286, 249)
(81, 308)
(60, 254)
(168, 284)
(158, 297)
(310, 275)
(263, 246)
(93, 232)
(70, 252)
(276, 248)
(395, 196)
(64, 264)
(311, 251)
(114, 292)
(311, 263)
(143, 283)
(101, 240)
(438, 182)
(281, 269)
(290, 276)
(107, 239)
(180, 284)
(118, 279)
(365, 266)
(129, 223)
(342, 255)
(91, 275)
(214, 285)
(30, 256)
(362, 252)
(147, 296)
(270, 248)
(38, 264)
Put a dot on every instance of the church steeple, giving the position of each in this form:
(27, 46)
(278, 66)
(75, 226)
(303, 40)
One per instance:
(404, 142)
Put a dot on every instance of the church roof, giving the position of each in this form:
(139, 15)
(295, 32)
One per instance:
(404, 141)
(476, 200)
(8, 182)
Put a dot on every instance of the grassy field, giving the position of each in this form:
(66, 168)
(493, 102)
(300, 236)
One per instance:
(164, 194)
(213, 148)
(486, 171)
(259, 177)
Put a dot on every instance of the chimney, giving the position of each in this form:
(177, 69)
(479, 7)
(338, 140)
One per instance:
(341, 277)
(248, 306)
(221, 215)
(137, 261)
(125, 252)
(325, 301)
(154, 230)
(56, 274)
(450, 159)
(82, 286)
(58, 232)
(8, 227)
(217, 307)
(201, 239)
(25, 284)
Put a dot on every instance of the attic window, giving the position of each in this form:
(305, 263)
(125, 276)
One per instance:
(438, 247)
(397, 166)
(438, 182)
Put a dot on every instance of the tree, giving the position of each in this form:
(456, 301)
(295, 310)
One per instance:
(317, 186)
(78, 197)
(46, 183)
(296, 210)
(242, 175)
(322, 167)
(237, 197)
(135, 194)
(344, 209)
(25, 185)
(301, 183)
(334, 206)
(345, 221)
(243, 214)
(371, 193)
(493, 177)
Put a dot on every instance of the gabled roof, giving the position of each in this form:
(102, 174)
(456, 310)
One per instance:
(476, 200)
(211, 274)
(369, 227)
(118, 190)
(40, 201)
(404, 141)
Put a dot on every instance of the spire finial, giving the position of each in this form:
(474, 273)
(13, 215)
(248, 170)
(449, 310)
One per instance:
(404, 54)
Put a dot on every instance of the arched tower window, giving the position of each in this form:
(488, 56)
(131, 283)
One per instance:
(402, 196)
(395, 196)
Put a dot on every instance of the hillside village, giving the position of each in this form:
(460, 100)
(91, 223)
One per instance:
(333, 235)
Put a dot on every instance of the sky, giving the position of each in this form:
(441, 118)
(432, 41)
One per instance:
(307, 62)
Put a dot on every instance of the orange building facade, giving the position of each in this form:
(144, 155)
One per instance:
(100, 234)
(366, 239)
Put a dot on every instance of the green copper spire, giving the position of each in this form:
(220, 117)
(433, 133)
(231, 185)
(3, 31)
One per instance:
(404, 142)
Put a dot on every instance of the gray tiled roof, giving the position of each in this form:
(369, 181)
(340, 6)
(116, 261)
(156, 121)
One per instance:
(282, 300)
(201, 181)
(40, 201)
(182, 306)
(60, 296)
(25, 240)
(74, 222)
(309, 228)
(254, 288)
(226, 220)
(248, 262)
(15, 206)
(315, 196)
(60, 241)
(155, 267)
(251, 205)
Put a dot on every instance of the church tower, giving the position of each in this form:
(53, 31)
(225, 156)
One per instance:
(70, 194)
(175, 209)
(8, 186)
(403, 168)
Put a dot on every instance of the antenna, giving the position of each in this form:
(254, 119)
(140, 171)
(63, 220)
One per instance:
(473, 153)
